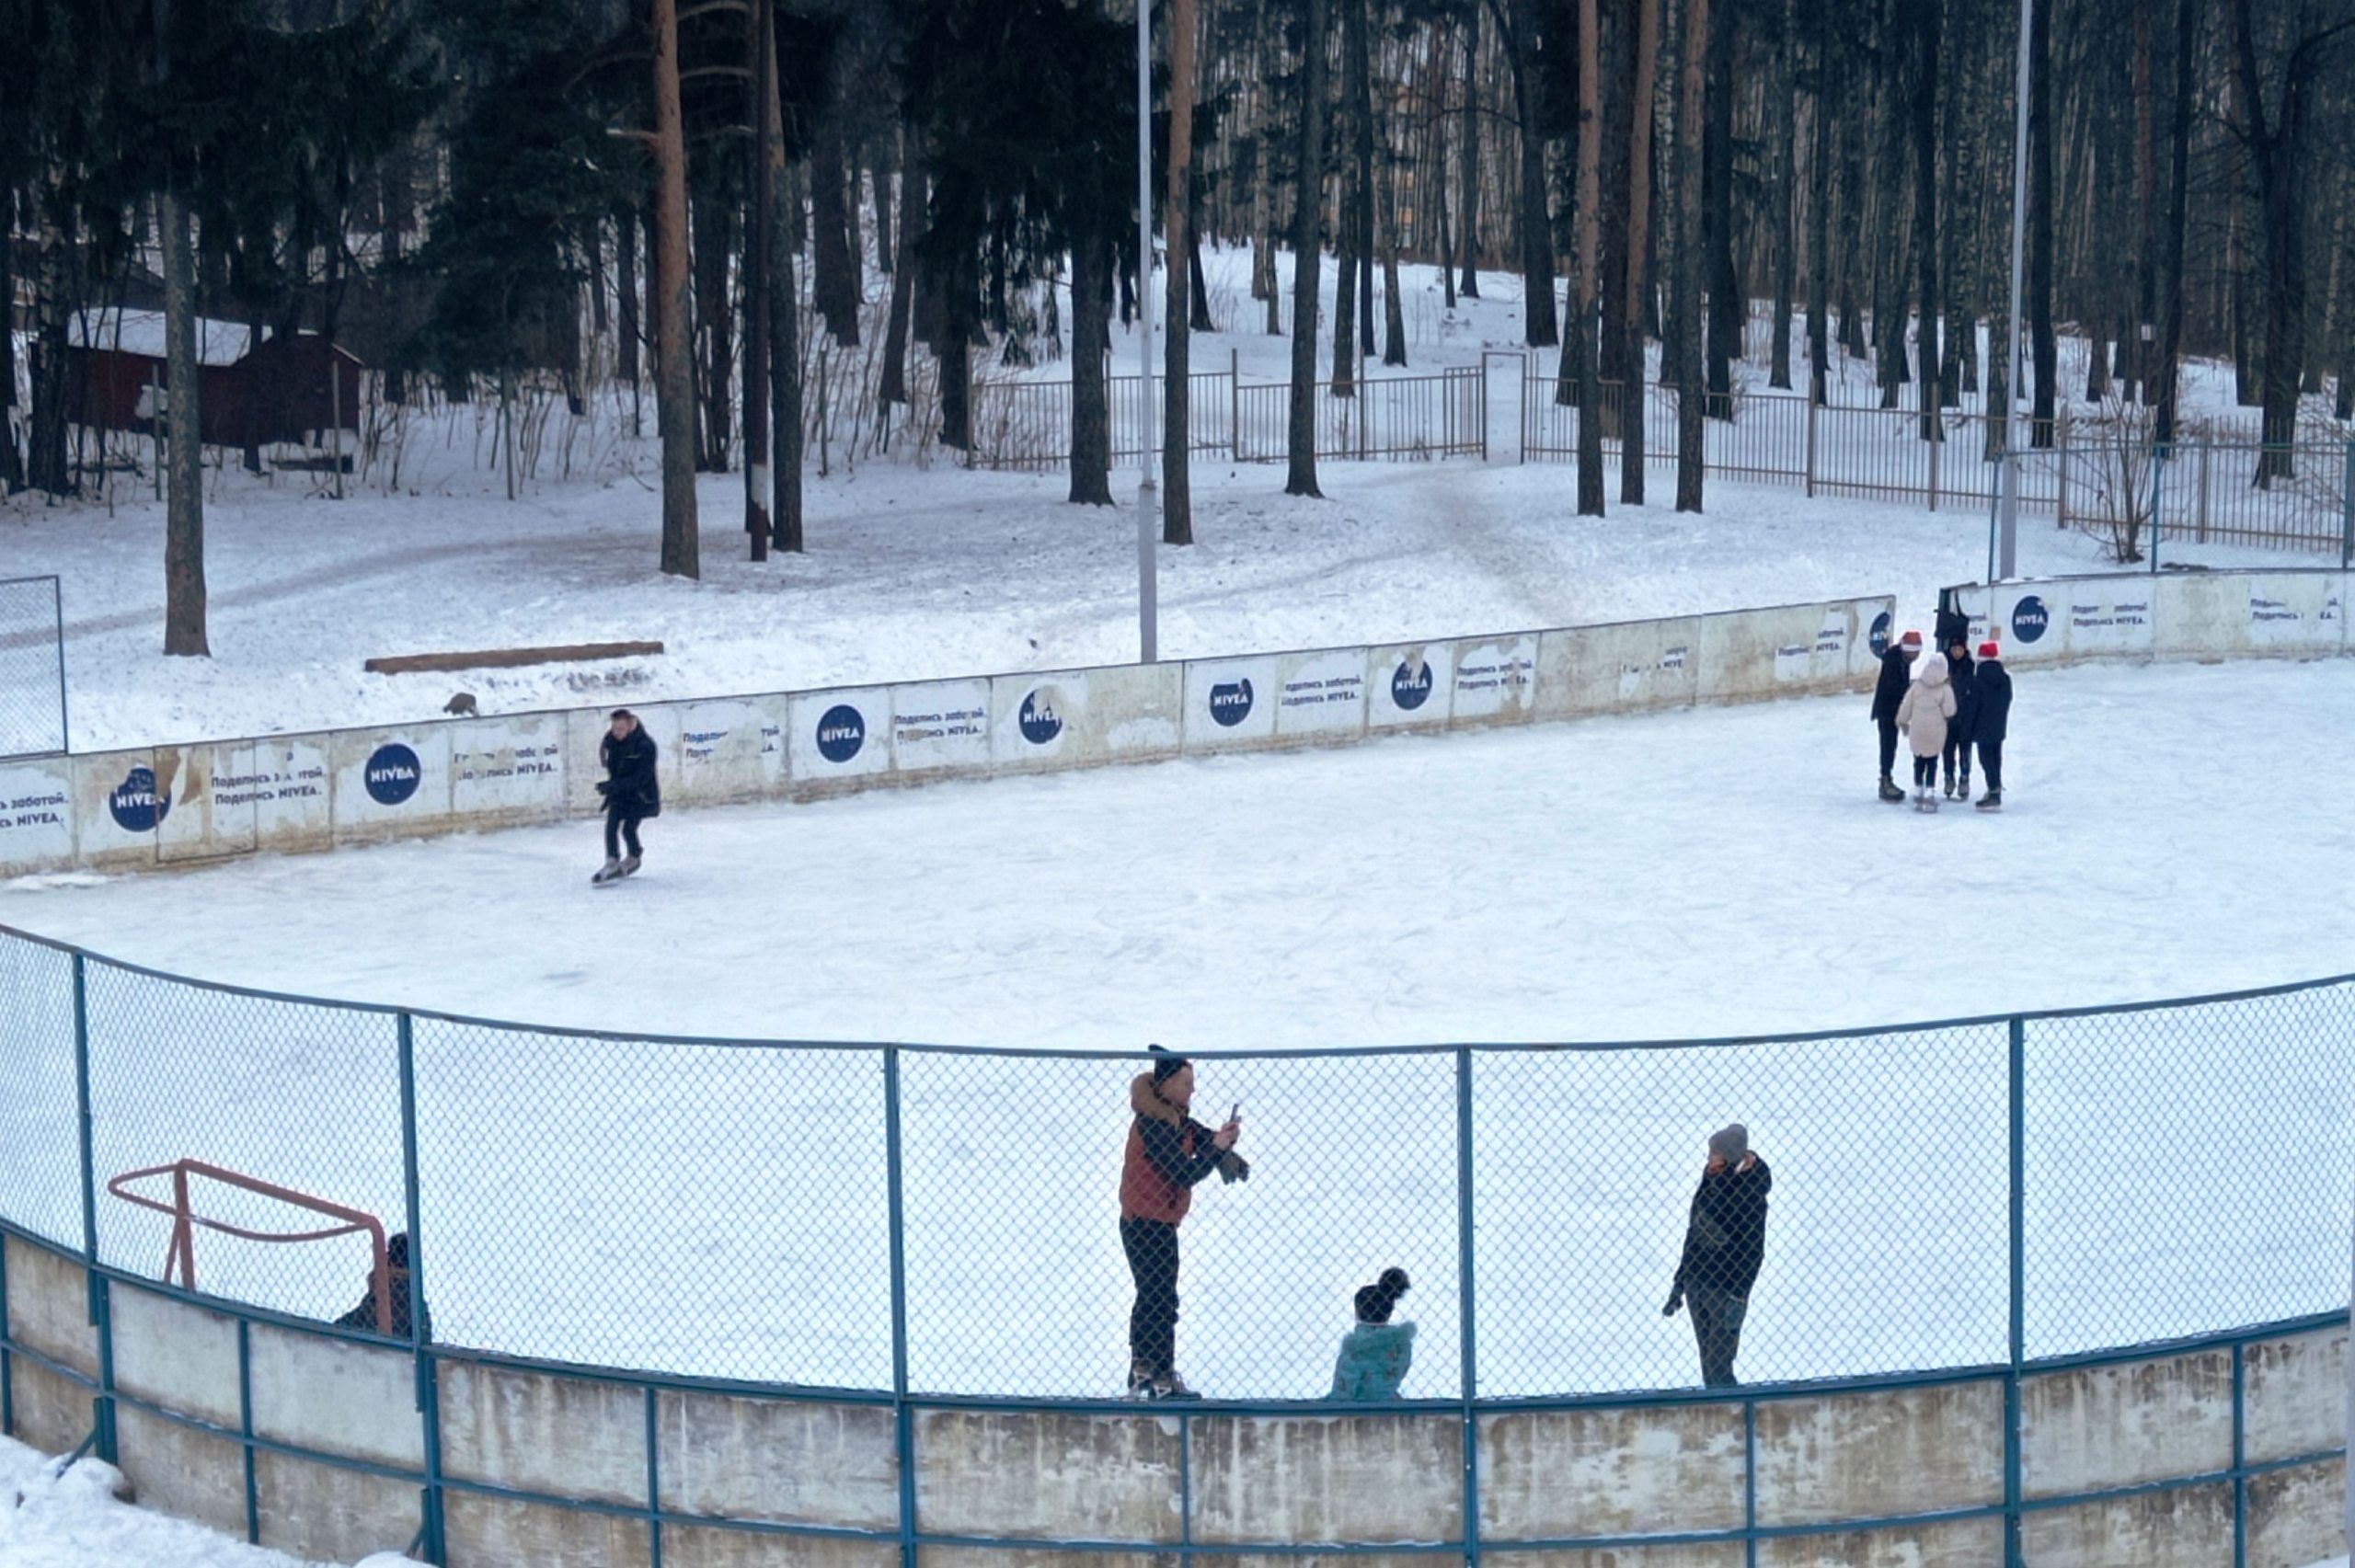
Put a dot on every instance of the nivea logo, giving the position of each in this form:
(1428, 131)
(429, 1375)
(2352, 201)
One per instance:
(393, 774)
(841, 733)
(1881, 634)
(1040, 720)
(1410, 686)
(1230, 702)
(2029, 618)
(134, 803)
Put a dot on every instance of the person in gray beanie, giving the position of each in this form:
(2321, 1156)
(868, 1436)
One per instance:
(1724, 1243)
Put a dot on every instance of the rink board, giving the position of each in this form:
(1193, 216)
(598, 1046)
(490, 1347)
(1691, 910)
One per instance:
(196, 804)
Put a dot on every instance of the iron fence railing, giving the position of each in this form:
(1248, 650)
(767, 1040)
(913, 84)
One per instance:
(739, 1208)
(32, 667)
(1971, 1202)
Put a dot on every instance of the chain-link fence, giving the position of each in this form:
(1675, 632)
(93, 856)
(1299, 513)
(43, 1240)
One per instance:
(951, 1221)
(32, 667)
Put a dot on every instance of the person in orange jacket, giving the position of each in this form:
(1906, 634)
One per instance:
(1168, 1154)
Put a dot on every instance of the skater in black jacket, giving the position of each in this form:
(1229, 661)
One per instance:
(1896, 675)
(1992, 722)
(1724, 1243)
(633, 792)
(1956, 753)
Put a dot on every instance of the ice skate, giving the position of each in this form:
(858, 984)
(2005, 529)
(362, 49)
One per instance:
(1950, 787)
(610, 871)
(628, 867)
(1991, 801)
(1891, 793)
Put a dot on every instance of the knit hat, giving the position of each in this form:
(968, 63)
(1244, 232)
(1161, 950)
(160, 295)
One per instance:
(1911, 639)
(1167, 1065)
(1731, 1142)
(1989, 650)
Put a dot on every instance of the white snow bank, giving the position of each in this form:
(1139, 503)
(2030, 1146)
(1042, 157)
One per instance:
(72, 1520)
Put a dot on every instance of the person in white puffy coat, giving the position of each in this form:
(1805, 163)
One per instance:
(1923, 715)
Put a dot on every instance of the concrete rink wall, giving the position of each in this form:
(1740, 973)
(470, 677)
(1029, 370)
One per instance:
(2196, 615)
(321, 1444)
(187, 805)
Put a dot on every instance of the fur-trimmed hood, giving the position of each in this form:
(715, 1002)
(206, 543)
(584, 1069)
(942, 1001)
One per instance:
(1145, 1099)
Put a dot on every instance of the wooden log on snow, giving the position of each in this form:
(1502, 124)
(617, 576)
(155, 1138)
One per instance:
(507, 658)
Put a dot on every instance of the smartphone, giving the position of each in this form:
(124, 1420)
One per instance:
(1235, 1112)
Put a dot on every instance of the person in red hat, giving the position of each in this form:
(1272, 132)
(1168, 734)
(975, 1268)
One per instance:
(1896, 675)
(1992, 722)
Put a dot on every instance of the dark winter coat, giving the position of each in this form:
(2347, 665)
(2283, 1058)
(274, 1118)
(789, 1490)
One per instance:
(1168, 1153)
(1964, 673)
(632, 787)
(1896, 674)
(1993, 687)
(363, 1316)
(1724, 1237)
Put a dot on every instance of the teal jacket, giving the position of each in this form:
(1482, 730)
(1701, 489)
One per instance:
(1373, 1361)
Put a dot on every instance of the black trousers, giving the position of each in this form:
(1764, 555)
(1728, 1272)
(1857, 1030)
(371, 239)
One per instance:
(1152, 1246)
(1925, 771)
(1991, 762)
(1956, 758)
(620, 827)
(1716, 1329)
(1888, 746)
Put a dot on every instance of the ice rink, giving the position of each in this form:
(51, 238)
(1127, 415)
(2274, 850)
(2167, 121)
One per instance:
(1713, 872)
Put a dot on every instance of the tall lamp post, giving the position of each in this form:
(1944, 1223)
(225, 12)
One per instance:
(1147, 510)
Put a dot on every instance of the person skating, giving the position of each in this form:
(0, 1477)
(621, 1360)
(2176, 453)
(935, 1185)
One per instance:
(632, 789)
(1724, 1243)
(1376, 1354)
(1896, 677)
(1955, 757)
(1924, 716)
(1993, 722)
(1168, 1153)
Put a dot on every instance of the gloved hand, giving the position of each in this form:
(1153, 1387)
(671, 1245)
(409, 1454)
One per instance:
(1233, 1168)
(604, 785)
(1675, 1299)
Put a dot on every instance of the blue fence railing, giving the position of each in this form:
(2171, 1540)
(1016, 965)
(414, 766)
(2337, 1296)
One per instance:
(919, 1227)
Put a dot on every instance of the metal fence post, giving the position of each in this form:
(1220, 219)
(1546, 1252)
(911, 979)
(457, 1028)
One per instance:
(1935, 442)
(1233, 404)
(102, 1316)
(57, 600)
(896, 1207)
(1466, 1333)
(427, 1389)
(7, 1379)
(1810, 441)
(2060, 463)
(2201, 524)
(2240, 1455)
(2346, 544)
(2019, 1270)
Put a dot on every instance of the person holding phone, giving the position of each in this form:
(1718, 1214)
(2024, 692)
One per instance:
(1168, 1155)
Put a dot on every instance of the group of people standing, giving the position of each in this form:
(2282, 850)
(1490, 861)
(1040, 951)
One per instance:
(1169, 1153)
(1956, 702)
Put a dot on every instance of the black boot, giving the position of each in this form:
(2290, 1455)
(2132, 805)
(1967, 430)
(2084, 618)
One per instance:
(1991, 801)
(1888, 790)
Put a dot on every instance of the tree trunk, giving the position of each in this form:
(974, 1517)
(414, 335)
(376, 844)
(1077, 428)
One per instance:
(1589, 202)
(2040, 221)
(833, 285)
(674, 367)
(713, 219)
(1781, 118)
(893, 386)
(1307, 253)
(1633, 398)
(46, 466)
(1346, 234)
(1468, 160)
(1263, 97)
(879, 170)
(2277, 147)
(785, 328)
(1177, 202)
(1436, 55)
(1729, 307)
(2146, 201)
(1363, 114)
(184, 597)
(1539, 326)
(626, 313)
(1819, 214)
(757, 274)
(1930, 383)
(12, 466)
(1394, 309)
(1091, 420)
(1693, 75)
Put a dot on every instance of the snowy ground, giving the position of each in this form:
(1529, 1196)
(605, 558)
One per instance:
(1708, 872)
(72, 1520)
(917, 571)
